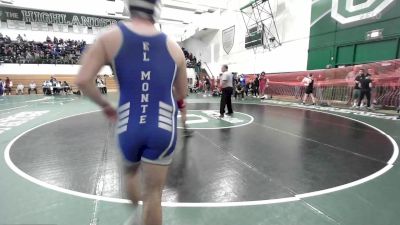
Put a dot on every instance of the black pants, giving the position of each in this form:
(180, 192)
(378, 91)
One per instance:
(226, 100)
(46, 91)
(103, 90)
(365, 93)
(240, 93)
(7, 90)
(256, 91)
(32, 90)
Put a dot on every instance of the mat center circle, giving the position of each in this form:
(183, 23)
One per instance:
(210, 119)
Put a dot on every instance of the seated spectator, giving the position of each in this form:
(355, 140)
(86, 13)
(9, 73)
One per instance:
(66, 88)
(47, 88)
(239, 91)
(32, 87)
(29, 57)
(216, 92)
(8, 86)
(20, 89)
(22, 51)
(57, 87)
(77, 92)
(249, 88)
(101, 85)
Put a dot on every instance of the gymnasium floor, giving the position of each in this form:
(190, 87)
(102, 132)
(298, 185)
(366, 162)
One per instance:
(272, 163)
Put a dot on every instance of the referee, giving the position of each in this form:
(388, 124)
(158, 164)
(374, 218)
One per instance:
(227, 91)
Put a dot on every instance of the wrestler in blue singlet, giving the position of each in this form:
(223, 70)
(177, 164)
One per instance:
(147, 109)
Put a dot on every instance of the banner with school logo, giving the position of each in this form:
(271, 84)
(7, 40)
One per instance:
(348, 11)
(228, 39)
(51, 17)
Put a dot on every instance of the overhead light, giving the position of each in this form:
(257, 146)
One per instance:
(189, 7)
(171, 21)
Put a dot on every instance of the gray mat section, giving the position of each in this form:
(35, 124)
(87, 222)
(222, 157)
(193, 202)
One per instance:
(242, 164)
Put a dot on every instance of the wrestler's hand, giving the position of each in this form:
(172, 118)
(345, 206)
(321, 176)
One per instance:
(111, 113)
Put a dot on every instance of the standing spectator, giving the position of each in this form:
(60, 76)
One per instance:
(197, 68)
(263, 84)
(308, 82)
(1, 86)
(32, 87)
(8, 86)
(207, 85)
(357, 88)
(256, 87)
(227, 91)
(242, 80)
(350, 77)
(212, 83)
(365, 82)
(20, 89)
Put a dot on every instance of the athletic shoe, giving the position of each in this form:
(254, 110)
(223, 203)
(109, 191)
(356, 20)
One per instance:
(229, 114)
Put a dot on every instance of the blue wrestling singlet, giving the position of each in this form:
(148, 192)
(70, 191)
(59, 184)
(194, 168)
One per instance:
(147, 109)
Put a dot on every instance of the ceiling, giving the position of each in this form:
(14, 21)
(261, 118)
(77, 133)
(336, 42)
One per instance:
(176, 15)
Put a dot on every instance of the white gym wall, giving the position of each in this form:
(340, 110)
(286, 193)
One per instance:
(293, 23)
(292, 18)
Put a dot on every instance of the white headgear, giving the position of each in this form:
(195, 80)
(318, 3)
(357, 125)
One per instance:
(150, 9)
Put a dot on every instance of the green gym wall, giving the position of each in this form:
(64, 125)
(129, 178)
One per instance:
(336, 44)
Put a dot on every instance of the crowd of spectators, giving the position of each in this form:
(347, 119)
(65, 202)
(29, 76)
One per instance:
(49, 87)
(50, 51)
(254, 87)
(191, 60)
